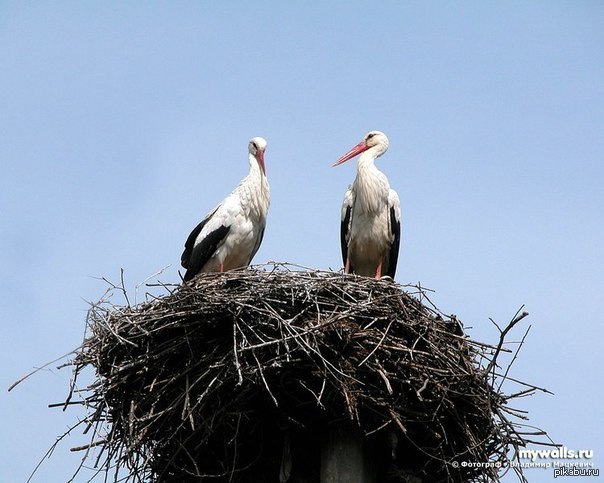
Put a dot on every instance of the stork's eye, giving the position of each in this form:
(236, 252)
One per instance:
(370, 135)
(255, 146)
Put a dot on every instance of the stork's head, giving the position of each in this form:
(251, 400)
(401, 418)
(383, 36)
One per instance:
(257, 147)
(375, 140)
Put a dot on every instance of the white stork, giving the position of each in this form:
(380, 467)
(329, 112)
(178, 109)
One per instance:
(231, 234)
(371, 214)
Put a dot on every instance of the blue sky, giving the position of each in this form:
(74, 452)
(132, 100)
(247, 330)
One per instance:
(123, 123)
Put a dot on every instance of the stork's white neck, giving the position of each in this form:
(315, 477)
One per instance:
(367, 159)
(371, 185)
(256, 171)
(256, 185)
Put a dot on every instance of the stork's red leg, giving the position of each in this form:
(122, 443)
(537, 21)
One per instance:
(378, 272)
(221, 267)
(347, 267)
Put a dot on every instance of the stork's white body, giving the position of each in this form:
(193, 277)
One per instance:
(231, 234)
(370, 229)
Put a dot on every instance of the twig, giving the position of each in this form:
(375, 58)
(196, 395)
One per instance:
(517, 318)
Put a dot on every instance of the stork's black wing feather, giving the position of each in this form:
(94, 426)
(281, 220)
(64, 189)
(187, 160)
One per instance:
(344, 228)
(185, 258)
(190, 243)
(258, 243)
(395, 229)
(202, 251)
(195, 255)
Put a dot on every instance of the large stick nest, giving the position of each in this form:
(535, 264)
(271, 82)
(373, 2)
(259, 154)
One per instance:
(238, 377)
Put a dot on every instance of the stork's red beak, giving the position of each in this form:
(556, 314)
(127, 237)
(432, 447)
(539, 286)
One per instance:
(358, 149)
(260, 156)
